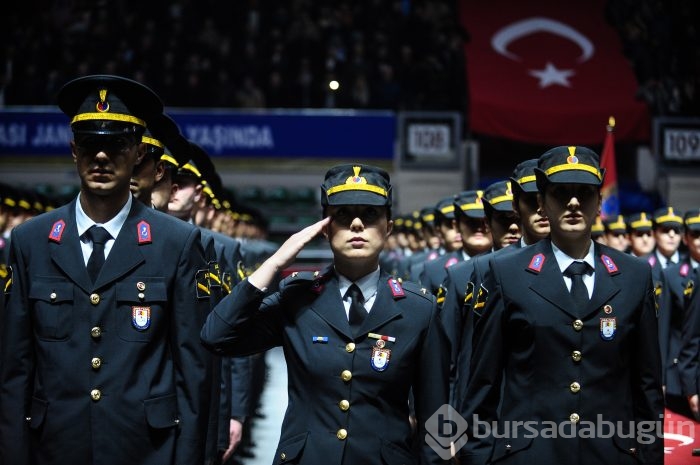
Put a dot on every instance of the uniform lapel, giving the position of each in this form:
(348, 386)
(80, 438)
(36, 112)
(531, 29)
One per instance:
(604, 288)
(125, 254)
(68, 255)
(384, 308)
(549, 282)
(329, 306)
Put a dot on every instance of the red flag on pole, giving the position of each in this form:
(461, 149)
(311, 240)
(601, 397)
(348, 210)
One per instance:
(611, 202)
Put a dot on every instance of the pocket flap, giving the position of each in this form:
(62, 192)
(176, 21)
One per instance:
(37, 412)
(51, 291)
(393, 454)
(161, 412)
(290, 448)
(152, 291)
(505, 447)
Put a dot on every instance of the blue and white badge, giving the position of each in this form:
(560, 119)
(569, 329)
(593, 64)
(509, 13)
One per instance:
(141, 317)
(380, 358)
(607, 328)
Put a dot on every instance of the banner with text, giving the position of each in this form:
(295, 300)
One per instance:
(275, 134)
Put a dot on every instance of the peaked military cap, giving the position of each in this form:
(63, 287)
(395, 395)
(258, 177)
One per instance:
(470, 203)
(667, 217)
(617, 224)
(356, 184)
(499, 196)
(598, 227)
(569, 164)
(165, 130)
(106, 104)
(445, 209)
(641, 221)
(524, 176)
(427, 216)
(692, 219)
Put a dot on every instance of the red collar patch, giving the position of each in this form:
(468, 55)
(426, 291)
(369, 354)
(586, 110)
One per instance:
(396, 288)
(609, 264)
(536, 263)
(451, 261)
(651, 260)
(684, 270)
(57, 231)
(143, 230)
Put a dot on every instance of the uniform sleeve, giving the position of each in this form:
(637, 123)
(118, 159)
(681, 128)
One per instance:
(450, 316)
(664, 301)
(193, 364)
(646, 380)
(431, 384)
(690, 346)
(483, 391)
(243, 323)
(16, 364)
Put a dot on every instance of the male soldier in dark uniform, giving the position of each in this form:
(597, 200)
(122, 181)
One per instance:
(598, 230)
(616, 233)
(640, 237)
(567, 339)
(434, 271)
(101, 362)
(680, 283)
(356, 340)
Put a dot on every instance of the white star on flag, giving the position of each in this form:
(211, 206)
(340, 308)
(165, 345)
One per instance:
(550, 76)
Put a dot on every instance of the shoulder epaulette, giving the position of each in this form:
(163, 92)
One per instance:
(413, 288)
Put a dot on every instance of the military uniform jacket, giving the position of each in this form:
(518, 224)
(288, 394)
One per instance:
(110, 373)
(564, 365)
(348, 402)
(689, 357)
(676, 296)
(435, 271)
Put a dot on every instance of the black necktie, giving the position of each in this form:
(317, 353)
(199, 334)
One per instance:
(99, 236)
(357, 312)
(575, 271)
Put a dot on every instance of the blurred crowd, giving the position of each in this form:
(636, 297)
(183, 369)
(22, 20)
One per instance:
(661, 41)
(252, 54)
(401, 55)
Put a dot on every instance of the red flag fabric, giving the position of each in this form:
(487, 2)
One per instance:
(610, 207)
(548, 72)
(680, 439)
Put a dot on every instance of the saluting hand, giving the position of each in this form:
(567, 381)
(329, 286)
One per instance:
(285, 255)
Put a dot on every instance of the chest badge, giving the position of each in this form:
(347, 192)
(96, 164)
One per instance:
(608, 326)
(380, 358)
(141, 317)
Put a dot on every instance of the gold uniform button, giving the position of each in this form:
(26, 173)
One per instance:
(342, 434)
(578, 325)
(96, 332)
(53, 296)
(344, 405)
(574, 418)
(576, 355)
(141, 286)
(95, 394)
(94, 299)
(96, 363)
(346, 375)
(283, 456)
(575, 387)
(350, 347)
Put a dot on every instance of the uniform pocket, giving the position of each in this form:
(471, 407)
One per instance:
(37, 413)
(291, 449)
(52, 308)
(161, 412)
(393, 454)
(141, 307)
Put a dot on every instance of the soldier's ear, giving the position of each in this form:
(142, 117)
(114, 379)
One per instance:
(389, 228)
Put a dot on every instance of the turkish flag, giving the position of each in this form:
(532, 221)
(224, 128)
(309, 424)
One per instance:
(548, 72)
